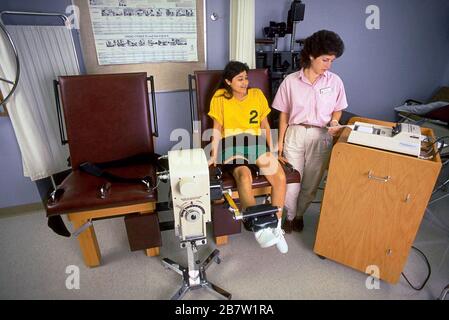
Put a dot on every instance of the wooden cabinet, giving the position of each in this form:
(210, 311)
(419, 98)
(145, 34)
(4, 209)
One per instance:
(373, 205)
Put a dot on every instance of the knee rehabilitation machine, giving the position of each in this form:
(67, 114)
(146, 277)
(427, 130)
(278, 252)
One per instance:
(192, 190)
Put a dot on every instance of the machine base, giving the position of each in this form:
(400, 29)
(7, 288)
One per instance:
(194, 284)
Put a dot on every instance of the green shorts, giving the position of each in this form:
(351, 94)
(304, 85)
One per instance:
(242, 149)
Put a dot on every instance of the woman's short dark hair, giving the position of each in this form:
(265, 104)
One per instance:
(323, 42)
(232, 69)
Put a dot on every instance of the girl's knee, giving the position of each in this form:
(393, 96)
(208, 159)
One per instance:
(280, 178)
(243, 175)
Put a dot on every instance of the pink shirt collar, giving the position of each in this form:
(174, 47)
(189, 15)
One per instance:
(302, 77)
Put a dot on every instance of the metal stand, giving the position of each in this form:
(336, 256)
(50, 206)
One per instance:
(194, 277)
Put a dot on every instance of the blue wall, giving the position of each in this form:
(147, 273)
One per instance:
(217, 34)
(15, 189)
(445, 81)
(407, 57)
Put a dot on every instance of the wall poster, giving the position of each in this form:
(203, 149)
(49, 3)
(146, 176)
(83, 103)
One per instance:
(144, 31)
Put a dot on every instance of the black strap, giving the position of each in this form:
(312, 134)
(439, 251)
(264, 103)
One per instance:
(142, 158)
(97, 169)
(57, 225)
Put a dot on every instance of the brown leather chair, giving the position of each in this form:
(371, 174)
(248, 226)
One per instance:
(107, 119)
(206, 82)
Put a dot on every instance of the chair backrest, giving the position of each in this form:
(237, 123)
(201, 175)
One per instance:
(208, 80)
(107, 116)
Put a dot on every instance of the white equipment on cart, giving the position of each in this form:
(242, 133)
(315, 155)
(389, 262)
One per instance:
(403, 138)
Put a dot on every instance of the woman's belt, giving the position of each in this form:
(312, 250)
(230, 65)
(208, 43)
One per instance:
(307, 126)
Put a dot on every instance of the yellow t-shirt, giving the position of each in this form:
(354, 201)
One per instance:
(237, 116)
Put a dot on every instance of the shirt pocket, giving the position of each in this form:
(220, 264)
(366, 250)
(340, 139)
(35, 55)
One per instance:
(327, 99)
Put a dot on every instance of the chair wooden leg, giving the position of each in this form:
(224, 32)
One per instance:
(88, 244)
(220, 241)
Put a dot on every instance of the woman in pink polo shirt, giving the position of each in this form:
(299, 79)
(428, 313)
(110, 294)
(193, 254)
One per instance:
(311, 101)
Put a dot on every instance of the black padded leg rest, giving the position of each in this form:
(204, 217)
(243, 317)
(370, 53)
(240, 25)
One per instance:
(143, 231)
(222, 221)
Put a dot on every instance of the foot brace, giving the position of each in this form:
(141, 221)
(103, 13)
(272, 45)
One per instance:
(260, 217)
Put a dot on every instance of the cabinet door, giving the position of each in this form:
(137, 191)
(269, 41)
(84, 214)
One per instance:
(370, 215)
(413, 181)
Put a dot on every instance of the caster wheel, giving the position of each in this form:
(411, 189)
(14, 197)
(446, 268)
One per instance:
(217, 260)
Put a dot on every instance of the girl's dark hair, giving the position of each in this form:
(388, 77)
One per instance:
(320, 43)
(232, 69)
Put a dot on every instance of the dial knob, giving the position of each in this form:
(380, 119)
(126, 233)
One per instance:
(193, 212)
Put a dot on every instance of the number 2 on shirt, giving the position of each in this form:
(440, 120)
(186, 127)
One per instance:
(254, 114)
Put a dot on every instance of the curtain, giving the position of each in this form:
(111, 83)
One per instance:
(242, 32)
(6, 51)
(45, 52)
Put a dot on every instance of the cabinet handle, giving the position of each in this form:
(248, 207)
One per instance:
(389, 252)
(407, 198)
(382, 179)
